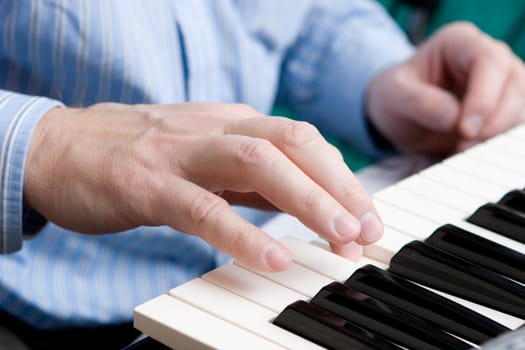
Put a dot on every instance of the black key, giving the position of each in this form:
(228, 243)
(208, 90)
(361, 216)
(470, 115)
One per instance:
(479, 250)
(384, 319)
(435, 268)
(328, 330)
(500, 219)
(514, 200)
(412, 298)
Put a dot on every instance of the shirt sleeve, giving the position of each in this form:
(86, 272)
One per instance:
(343, 45)
(19, 115)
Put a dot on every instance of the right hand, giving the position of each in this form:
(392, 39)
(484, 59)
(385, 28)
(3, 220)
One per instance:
(461, 87)
(113, 167)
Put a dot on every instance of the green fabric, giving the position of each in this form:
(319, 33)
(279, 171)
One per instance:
(502, 19)
(353, 157)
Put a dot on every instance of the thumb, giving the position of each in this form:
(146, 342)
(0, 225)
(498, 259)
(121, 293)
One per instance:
(428, 105)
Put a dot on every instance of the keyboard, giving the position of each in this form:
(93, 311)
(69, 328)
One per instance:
(449, 273)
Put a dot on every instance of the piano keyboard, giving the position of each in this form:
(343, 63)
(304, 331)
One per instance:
(449, 273)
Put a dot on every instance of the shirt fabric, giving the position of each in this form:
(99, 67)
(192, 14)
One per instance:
(314, 57)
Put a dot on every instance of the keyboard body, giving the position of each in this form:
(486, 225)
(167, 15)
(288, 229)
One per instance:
(233, 307)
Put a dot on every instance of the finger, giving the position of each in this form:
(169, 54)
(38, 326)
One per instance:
(511, 106)
(322, 163)
(195, 116)
(426, 104)
(486, 81)
(352, 250)
(248, 199)
(245, 164)
(189, 208)
(465, 144)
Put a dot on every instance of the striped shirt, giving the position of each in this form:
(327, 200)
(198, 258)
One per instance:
(313, 57)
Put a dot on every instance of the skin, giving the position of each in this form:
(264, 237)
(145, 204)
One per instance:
(460, 88)
(112, 167)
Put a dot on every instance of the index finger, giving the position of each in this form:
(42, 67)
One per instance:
(484, 63)
(186, 206)
(303, 144)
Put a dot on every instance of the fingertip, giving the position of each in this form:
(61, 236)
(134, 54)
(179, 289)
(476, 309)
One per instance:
(471, 125)
(371, 228)
(351, 251)
(432, 107)
(347, 227)
(277, 258)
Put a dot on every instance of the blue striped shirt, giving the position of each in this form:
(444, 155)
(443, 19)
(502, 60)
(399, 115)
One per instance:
(314, 57)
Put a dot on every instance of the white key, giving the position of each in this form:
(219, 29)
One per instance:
(384, 249)
(507, 144)
(239, 312)
(442, 193)
(508, 321)
(319, 260)
(517, 132)
(393, 241)
(420, 227)
(490, 235)
(404, 222)
(485, 171)
(419, 205)
(297, 278)
(253, 287)
(508, 161)
(182, 326)
(364, 260)
(464, 182)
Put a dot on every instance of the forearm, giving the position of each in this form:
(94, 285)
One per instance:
(327, 73)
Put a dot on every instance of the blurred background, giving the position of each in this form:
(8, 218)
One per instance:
(502, 19)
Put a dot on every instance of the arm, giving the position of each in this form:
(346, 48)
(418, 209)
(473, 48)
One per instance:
(460, 88)
(326, 73)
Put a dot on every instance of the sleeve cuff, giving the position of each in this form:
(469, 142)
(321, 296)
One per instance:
(343, 92)
(20, 114)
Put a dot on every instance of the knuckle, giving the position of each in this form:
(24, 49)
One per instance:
(297, 133)
(499, 53)
(314, 198)
(255, 152)
(351, 194)
(205, 208)
(245, 109)
(237, 241)
(518, 70)
(336, 152)
(504, 48)
(463, 26)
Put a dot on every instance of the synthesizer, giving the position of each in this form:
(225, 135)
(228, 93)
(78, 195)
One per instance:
(449, 272)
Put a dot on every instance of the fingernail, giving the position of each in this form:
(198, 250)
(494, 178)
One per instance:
(346, 226)
(371, 227)
(277, 258)
(472, 125)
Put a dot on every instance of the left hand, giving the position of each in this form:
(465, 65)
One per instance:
(460, 87)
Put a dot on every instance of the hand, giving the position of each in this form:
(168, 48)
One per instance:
(113, 167)
(460, 87)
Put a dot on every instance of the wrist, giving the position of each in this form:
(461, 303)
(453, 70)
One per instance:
(41, 153)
